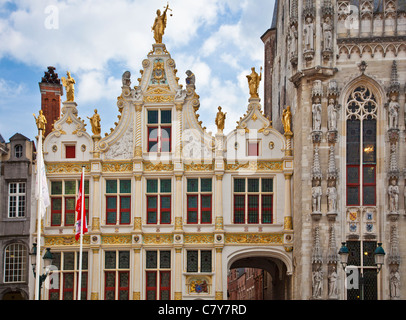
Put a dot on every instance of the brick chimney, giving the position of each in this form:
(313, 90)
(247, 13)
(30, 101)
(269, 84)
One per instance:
(51, 92)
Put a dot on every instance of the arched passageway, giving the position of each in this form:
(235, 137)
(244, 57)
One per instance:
(259, 275)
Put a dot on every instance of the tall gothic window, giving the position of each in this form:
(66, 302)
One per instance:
(361, 109)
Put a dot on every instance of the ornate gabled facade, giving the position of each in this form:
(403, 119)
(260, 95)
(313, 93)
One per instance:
(171, 207)
(340, 66)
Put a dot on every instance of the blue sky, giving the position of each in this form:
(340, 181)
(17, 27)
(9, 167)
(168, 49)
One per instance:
(219, 40)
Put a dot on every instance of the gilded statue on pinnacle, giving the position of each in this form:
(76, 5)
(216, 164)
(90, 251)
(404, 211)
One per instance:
(41, 121)
(95, 122)
(253, 82)
(160, 24)
(68, 83)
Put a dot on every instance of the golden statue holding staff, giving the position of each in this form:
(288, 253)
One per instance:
(41, 121)
(95, 122)
(68, 84)
(160, 24)
(253, 82)
(220, 118)
(287, 120)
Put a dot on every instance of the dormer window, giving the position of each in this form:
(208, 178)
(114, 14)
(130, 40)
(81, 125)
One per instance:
(18, 151)
(159, 124)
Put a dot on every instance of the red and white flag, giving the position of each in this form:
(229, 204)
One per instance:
(79, 203)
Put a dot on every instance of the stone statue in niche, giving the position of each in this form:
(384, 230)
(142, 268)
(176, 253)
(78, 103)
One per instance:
(316, 196)
(332, 197)
(394, 283)
(317, 282)
(393, 191)
(316, 111)
(393, 109)
(308, 35)
(332, 115)
(327, 34)
(332, 283)
(293, 44)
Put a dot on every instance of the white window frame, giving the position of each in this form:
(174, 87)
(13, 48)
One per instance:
(20, 200)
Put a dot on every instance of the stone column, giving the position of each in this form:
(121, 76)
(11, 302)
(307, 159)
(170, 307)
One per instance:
(219, 274)
(95, 275)
(178, 274)
(138, 148)
(287, 223)
(138, 204)
(219, 203)
(137, 275)
(178, 204)
(96, 204)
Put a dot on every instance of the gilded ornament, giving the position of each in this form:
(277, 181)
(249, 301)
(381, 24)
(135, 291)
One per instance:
(117, 167)
(198, 166)
(150, 166)
(198, 238)
(41, 121)
(95, 122)
(220, 119)
(256, 165)
(253, 82)
(66, 167)
(68, 83)
(287, 223)
(158, 238)
(116, 239)
(64, 240)
(219, 223)
(253, 238)
(287, 120)
(160, 24)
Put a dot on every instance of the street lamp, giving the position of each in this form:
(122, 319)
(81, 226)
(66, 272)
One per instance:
(47, 262)
(344, 253)
(379, 256)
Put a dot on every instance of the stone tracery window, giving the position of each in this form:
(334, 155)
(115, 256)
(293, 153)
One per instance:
(361, 115)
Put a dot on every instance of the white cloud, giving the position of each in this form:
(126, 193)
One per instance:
(10, 88)
(217, 39)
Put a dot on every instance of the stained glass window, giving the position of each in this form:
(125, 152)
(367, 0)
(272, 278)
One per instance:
(205, 261)
(361, 161)
(361, 255)
(159, 205)
(152, 259)
(70, 187)
(159, 130)
(161, 262)
(164, 259)
(64, 281)
(192, 261)
(116, 282)
(255, 205)
(199, 200)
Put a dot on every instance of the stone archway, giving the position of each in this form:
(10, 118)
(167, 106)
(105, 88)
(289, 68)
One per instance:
(276, 264)
(14, 295)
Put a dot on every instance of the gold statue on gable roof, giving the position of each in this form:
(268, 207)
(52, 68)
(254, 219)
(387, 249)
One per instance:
(68, 83)
(253, 82)
(160, 24)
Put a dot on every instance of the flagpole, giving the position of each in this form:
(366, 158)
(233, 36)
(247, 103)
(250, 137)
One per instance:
(82, 189)
(39, 211)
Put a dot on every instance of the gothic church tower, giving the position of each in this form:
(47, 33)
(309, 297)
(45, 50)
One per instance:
(341, 67)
